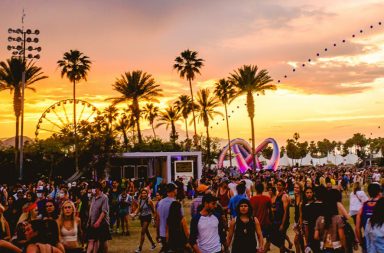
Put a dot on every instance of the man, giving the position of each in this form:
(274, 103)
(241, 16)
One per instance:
(366, 212)
(200, 190)
(261, 206)
(162, 214)
(281, 217)
(207, 232)
(114, 205)
(98, 221)
(240, 188)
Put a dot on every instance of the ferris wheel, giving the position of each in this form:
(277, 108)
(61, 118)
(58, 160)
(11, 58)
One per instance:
(60, 116)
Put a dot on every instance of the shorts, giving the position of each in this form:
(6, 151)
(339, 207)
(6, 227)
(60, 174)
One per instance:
(146, 218)
(99, 234)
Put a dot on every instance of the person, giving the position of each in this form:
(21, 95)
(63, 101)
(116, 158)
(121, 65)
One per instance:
(98, 221)
(114, 195)
(313, 207)
(297, 228)
(224, 195)
(261, 206)
(50, 210)
(36, 235)
(366, 212)
(145, 211)
(356, 200)
(374, 230)
(30, 212)
(69, 227)
(280, 223)
(244, 229)
(124, 208)
(162, 214)
(329, 228)
(233, 202)
(5, 232)
(207, 228)
(196, 203)
(11, 214)
(177, 229)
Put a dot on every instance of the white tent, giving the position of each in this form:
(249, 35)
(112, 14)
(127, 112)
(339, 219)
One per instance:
(306, 160)
(285, 161)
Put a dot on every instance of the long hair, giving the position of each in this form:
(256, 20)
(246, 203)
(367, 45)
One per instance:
(28, 213)
(250, 211)
(305, 199)
(377, 218)
(73, 215)
(356, 187)
(330, 206)
(175, 215)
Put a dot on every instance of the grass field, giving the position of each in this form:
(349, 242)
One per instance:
(128, 244)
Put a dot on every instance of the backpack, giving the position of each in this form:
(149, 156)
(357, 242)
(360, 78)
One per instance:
(367, 212)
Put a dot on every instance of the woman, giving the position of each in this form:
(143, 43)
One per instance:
(30, 213)
(5, 233)
(11, 214)
(37, 239)
(374, 230)
(69, 227)
(356, 200)
(329, 228)
(243, 230)
(224, 195)
(124, 206)
(50, 212)
(177, 232)
(297, 227)
(145, 210)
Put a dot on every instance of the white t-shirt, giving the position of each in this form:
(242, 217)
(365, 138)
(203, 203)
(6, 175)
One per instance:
(248, 183)
(232, 186)
(208, 238)
(376, 177)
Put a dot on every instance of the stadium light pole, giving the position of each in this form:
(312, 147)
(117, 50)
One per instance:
(20, 45)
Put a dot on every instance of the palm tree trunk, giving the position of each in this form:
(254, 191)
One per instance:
(208, 148)
(186, 127)
(153, 129)
(75, 126)
(16, 108)
(193, 114)
(173, 138)
(251, 114)
(137, 116)
(125, 140)
(229, 138)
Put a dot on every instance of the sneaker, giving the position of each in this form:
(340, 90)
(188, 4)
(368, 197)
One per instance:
(153, 247)
(138, 250)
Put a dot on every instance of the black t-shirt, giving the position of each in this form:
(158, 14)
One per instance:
(311, 211)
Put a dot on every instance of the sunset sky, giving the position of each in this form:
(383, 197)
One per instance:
(333, 96)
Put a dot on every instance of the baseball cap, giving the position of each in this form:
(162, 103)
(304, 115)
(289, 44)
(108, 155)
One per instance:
(202, 188)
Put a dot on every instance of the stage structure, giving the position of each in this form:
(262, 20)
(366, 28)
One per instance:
(243, 154)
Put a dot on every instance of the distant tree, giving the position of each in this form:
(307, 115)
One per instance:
(151, 112)
(169, 117)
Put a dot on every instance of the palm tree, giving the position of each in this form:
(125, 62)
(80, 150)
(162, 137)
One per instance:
(225, 91)
(136, 86)
(184, 104)
(75, 66)
(207, 103)
(188, 65)
(111, 114)
(248, 80)
(169, 117)
(10, 79)
(151, 112)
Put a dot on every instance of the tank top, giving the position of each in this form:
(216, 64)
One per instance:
(69, 235)
(279, 212)
(367, 211)
(145, 208)
(297, 212)
(224, 198)
(244, 240)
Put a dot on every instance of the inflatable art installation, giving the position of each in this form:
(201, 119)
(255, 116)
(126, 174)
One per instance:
(242, 151)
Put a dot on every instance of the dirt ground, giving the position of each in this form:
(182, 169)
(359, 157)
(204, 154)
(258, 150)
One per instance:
(128, 244)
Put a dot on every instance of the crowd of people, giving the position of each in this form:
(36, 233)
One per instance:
(295, 209)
